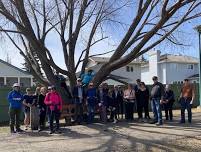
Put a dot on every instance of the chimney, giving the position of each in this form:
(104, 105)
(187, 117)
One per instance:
(154, 58)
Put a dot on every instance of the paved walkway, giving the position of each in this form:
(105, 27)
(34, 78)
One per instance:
(120, 137)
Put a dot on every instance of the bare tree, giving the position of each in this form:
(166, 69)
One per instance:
(32, 21)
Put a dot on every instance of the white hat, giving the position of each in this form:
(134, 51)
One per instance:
(16, 85)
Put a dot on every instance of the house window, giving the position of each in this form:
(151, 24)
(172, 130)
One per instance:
(190, 66)
(131, 69)
(128, 69)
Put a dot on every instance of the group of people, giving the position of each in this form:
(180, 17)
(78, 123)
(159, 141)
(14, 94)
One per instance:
(105, 101)
(48, 101)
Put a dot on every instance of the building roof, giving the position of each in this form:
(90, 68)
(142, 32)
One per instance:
(12, 66)
(178, 59)
(106, 59)
(194, 76)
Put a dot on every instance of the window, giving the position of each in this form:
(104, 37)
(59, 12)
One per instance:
(131, 69)
(128, 69)
(190, 66)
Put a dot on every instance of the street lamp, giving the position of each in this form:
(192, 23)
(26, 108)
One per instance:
(198, 28)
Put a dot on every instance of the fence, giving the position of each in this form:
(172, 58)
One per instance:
(4, 103)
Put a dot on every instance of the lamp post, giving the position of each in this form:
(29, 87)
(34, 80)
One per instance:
(198, 28)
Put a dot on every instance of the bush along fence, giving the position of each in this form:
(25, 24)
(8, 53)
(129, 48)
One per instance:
(4, 118)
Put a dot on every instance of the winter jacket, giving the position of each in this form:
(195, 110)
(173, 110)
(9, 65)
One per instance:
(15, 99)
(53, 101)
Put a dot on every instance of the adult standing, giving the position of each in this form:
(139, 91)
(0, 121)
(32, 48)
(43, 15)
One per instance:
(157, 93)
(29, 101)
(129, 96)
(15, 99)
(169, 100)
(186, 99)
(54, 101)
(79, 95)
(117, 97)
(103, 99)
(42, 108)
(91, 102)
(143, 101)
(121, 102)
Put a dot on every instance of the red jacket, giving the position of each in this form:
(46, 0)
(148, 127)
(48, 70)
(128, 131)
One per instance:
(53, 99)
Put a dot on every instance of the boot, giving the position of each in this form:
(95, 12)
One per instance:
(12, 129)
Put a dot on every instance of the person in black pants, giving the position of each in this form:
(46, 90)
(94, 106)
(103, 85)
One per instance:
(42, 108)
(121, 103)
(143, 101)
(168, 102)
(129, 97)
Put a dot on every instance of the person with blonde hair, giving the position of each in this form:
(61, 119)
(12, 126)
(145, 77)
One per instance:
(42, 108)
(129, 97)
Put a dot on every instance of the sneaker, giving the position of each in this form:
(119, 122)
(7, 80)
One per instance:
(19, 130)
(159, 124)
(12, 131)
(51, 132)
(115, 121)
(39, 130)
(58, 131)
(182, 122)
(153, 122)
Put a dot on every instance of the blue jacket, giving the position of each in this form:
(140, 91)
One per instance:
(86, 78)
(15, 99)
(91, 96)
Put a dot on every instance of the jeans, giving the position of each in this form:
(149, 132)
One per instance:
(156, 108)
(14, 115)
(54, 115)
(185, 104)
(90, 113)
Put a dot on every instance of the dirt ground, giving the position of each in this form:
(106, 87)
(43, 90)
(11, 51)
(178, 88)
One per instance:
(121, 137)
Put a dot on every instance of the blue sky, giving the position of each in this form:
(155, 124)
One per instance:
(188, 36)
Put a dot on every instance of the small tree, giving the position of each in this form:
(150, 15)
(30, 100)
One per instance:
(33, 20)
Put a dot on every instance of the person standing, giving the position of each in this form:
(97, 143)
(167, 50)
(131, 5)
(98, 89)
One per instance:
(29, 101)
(42, 108)
(157, 93)
(91, 102)
(186, 99)
(121, 102)
(103, 99)
(78, 95)
(143, 101)
(114, 104)
(168, 102)
(129, 96)
(116, 97)
(54, 101)
(15, 99)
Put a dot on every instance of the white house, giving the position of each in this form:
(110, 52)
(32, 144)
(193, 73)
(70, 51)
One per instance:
(169, 68)
(10, 74)
(127, 74)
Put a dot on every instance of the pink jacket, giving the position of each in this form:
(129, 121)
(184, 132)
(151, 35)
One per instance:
(53, 99)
